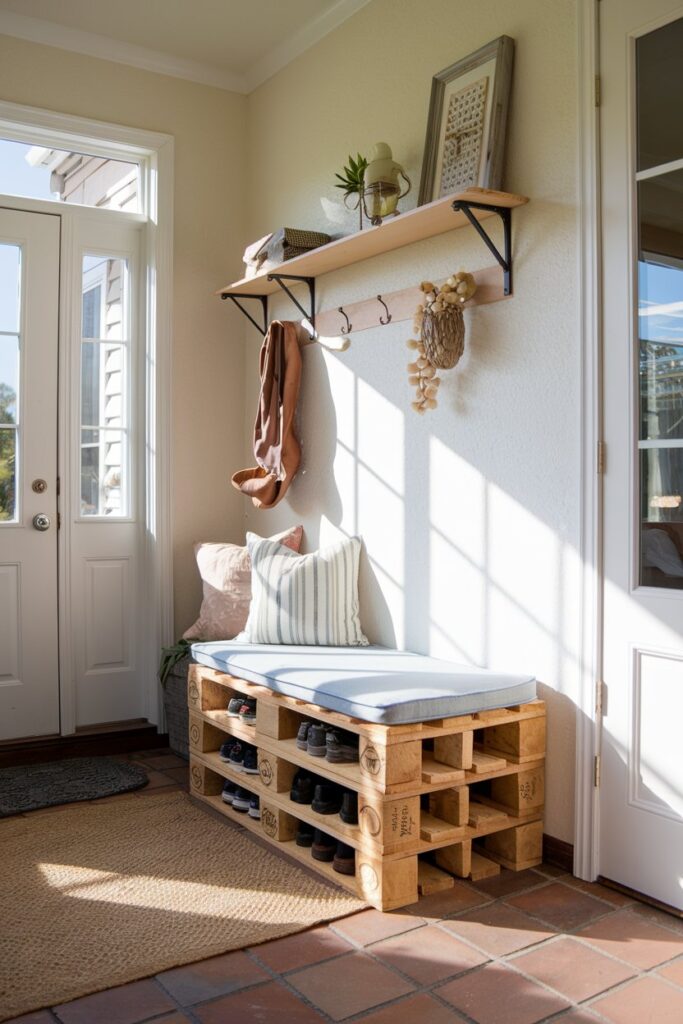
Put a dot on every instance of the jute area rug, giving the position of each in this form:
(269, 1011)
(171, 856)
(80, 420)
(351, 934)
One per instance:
(94, 896)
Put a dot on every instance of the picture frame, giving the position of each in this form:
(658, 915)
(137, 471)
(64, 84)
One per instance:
(467, 122)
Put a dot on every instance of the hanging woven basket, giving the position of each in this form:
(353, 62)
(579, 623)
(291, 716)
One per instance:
(443, 336)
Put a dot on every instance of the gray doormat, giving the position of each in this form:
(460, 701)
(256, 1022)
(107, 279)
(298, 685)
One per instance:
(65, 782)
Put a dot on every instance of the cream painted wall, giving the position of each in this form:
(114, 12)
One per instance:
(470, 515)
(208, 126)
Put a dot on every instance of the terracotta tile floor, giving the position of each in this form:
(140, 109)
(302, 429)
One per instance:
(538, 946)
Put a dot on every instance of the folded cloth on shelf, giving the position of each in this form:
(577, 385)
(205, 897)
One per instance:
(376, 684)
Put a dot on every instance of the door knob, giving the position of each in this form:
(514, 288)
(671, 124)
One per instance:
(41, 522)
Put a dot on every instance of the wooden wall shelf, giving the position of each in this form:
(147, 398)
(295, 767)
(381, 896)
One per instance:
(414, 226)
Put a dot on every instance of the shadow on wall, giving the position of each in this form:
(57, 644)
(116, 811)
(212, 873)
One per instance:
(316, 485)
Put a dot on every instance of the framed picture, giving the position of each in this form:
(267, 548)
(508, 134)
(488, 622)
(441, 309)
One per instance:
(468, 112)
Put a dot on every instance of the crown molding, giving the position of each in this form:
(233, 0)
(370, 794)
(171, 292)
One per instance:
(92, 44)
(300, 41)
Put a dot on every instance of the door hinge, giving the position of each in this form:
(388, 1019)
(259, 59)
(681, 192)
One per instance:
(599, 687)
(59, 520)
(596, 771)
(602, 457)
(58, 486)
(598, 91)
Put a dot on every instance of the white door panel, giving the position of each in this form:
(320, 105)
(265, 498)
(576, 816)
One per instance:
(105, 531)
(29, 657)
(641, 790)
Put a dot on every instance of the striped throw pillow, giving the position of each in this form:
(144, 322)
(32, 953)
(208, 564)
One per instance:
(310, 599)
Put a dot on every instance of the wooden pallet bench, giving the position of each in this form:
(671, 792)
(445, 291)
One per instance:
(437, 800)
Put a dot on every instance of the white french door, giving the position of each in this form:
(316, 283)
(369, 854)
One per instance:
(641, 788)
(103, 534)
(29, 317)
(72, 507)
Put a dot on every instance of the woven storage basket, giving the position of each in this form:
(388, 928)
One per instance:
(175, 705)
(443, 336)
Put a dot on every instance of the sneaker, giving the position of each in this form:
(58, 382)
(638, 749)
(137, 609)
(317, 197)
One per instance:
(250, 762)
(302, 787)
(237, 755)
(344, 859)
(349, 807)
(235, 704)
(248, 711)
(241, 800)
(324, 847)
(315, 740)
(304, 834)
(228, 793)
(326, 798)
(302, 736)
(255, 807)
(226, 750)
(341, 747)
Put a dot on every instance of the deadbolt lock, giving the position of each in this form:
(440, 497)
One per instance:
(39, 486)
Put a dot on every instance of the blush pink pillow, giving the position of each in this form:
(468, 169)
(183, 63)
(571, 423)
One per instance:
(225, 570)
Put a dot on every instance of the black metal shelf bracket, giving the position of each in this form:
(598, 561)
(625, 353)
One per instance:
(309, 316)
(505, 214)
(263, 299)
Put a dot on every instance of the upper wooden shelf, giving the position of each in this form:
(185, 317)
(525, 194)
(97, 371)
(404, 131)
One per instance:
(423, 222)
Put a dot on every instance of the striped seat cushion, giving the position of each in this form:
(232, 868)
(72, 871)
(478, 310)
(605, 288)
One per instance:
(304, 599)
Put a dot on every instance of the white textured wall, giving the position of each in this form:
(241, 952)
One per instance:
(208, 126)
(469, 514)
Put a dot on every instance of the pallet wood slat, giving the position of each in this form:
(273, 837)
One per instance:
(502, 751)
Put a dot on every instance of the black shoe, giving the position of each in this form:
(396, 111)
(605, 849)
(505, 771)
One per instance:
(241, 800)
(237, 756)
(226, 749)
(234, 705)
(302, 736)
(228, 794)
(342, 747)
(316, 742)
(326, 798)
(302, 787)
(250, 762)
(349, 807)
(324, 847)
(248, 711)
(304, 834)
(344, 859)
(254, 808)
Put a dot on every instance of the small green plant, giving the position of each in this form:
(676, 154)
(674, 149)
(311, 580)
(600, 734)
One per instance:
(352, 181)
(170, 656)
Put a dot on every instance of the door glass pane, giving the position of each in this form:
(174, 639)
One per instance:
(104, 386)
(9, 378)
(659, 95)
(103, 456)
(10, 280)
(661, 553)
(8, 453)
(660, 305)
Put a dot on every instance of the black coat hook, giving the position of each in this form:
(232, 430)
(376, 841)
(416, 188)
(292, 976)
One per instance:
(349, 327)
(381, 319)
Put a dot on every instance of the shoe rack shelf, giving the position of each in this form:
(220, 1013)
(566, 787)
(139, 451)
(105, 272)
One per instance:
(426, 791)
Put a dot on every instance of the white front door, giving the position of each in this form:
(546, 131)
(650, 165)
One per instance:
(29, 310)
(641, 787)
